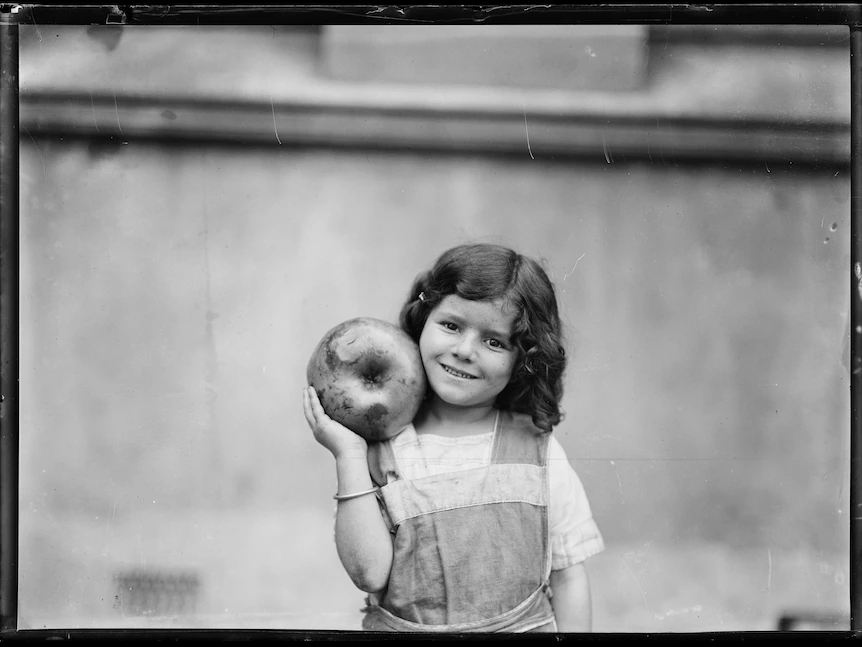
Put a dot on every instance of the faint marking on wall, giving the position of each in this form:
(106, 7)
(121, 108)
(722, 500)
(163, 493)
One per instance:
(210, 388)
(156, 593)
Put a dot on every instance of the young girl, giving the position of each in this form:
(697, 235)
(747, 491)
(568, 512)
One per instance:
(471, 518)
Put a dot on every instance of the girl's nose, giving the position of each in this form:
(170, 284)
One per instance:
(465, 348)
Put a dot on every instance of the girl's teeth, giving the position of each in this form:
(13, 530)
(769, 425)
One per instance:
(457, 373)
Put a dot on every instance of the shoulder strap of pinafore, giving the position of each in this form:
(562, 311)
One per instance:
(518, 440)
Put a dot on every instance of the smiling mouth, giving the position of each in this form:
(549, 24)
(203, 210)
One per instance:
(452, 371)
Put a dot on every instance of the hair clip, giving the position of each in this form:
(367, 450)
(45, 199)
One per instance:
(422, 297)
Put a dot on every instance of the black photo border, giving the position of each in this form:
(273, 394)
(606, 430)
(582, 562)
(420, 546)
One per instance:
(12, 15)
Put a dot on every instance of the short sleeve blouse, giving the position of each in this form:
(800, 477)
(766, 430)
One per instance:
(574, 533)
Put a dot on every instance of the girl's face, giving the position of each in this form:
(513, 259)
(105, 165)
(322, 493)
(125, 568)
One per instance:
(467, 351)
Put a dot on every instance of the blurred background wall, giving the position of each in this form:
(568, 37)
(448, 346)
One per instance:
(199, 205)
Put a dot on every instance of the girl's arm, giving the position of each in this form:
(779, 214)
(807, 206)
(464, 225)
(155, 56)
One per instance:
(571, 599)
(361, 537)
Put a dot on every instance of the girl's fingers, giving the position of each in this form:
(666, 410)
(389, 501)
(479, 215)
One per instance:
(316, 407)
(327, 432)
(306, 408)
(313, 410)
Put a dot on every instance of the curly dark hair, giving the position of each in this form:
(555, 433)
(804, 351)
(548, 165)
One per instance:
(486, 272)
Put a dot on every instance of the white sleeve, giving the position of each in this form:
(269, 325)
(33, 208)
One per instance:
(574, 533)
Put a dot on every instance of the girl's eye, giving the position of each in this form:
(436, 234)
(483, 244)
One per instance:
(449, 325)
(493, 343)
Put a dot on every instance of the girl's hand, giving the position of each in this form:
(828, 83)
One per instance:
(337, 438)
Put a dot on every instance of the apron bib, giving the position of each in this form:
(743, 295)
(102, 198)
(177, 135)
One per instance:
(472, 547)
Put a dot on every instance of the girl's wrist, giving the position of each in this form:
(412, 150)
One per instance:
(354, 450)
(351, 467)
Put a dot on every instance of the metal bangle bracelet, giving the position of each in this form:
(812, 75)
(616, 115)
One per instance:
(345, 497)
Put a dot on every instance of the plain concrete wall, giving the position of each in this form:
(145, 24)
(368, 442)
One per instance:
(171, 297)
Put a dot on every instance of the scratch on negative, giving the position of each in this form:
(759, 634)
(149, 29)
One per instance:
(38, 150)
(576, 264)
(93, 106)
(527, 130)
(618, 476)
(769, 574)
(117, 111)
(274, 124)
(640, 588)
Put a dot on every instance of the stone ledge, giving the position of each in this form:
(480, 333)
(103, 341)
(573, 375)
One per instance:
(537, 132)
